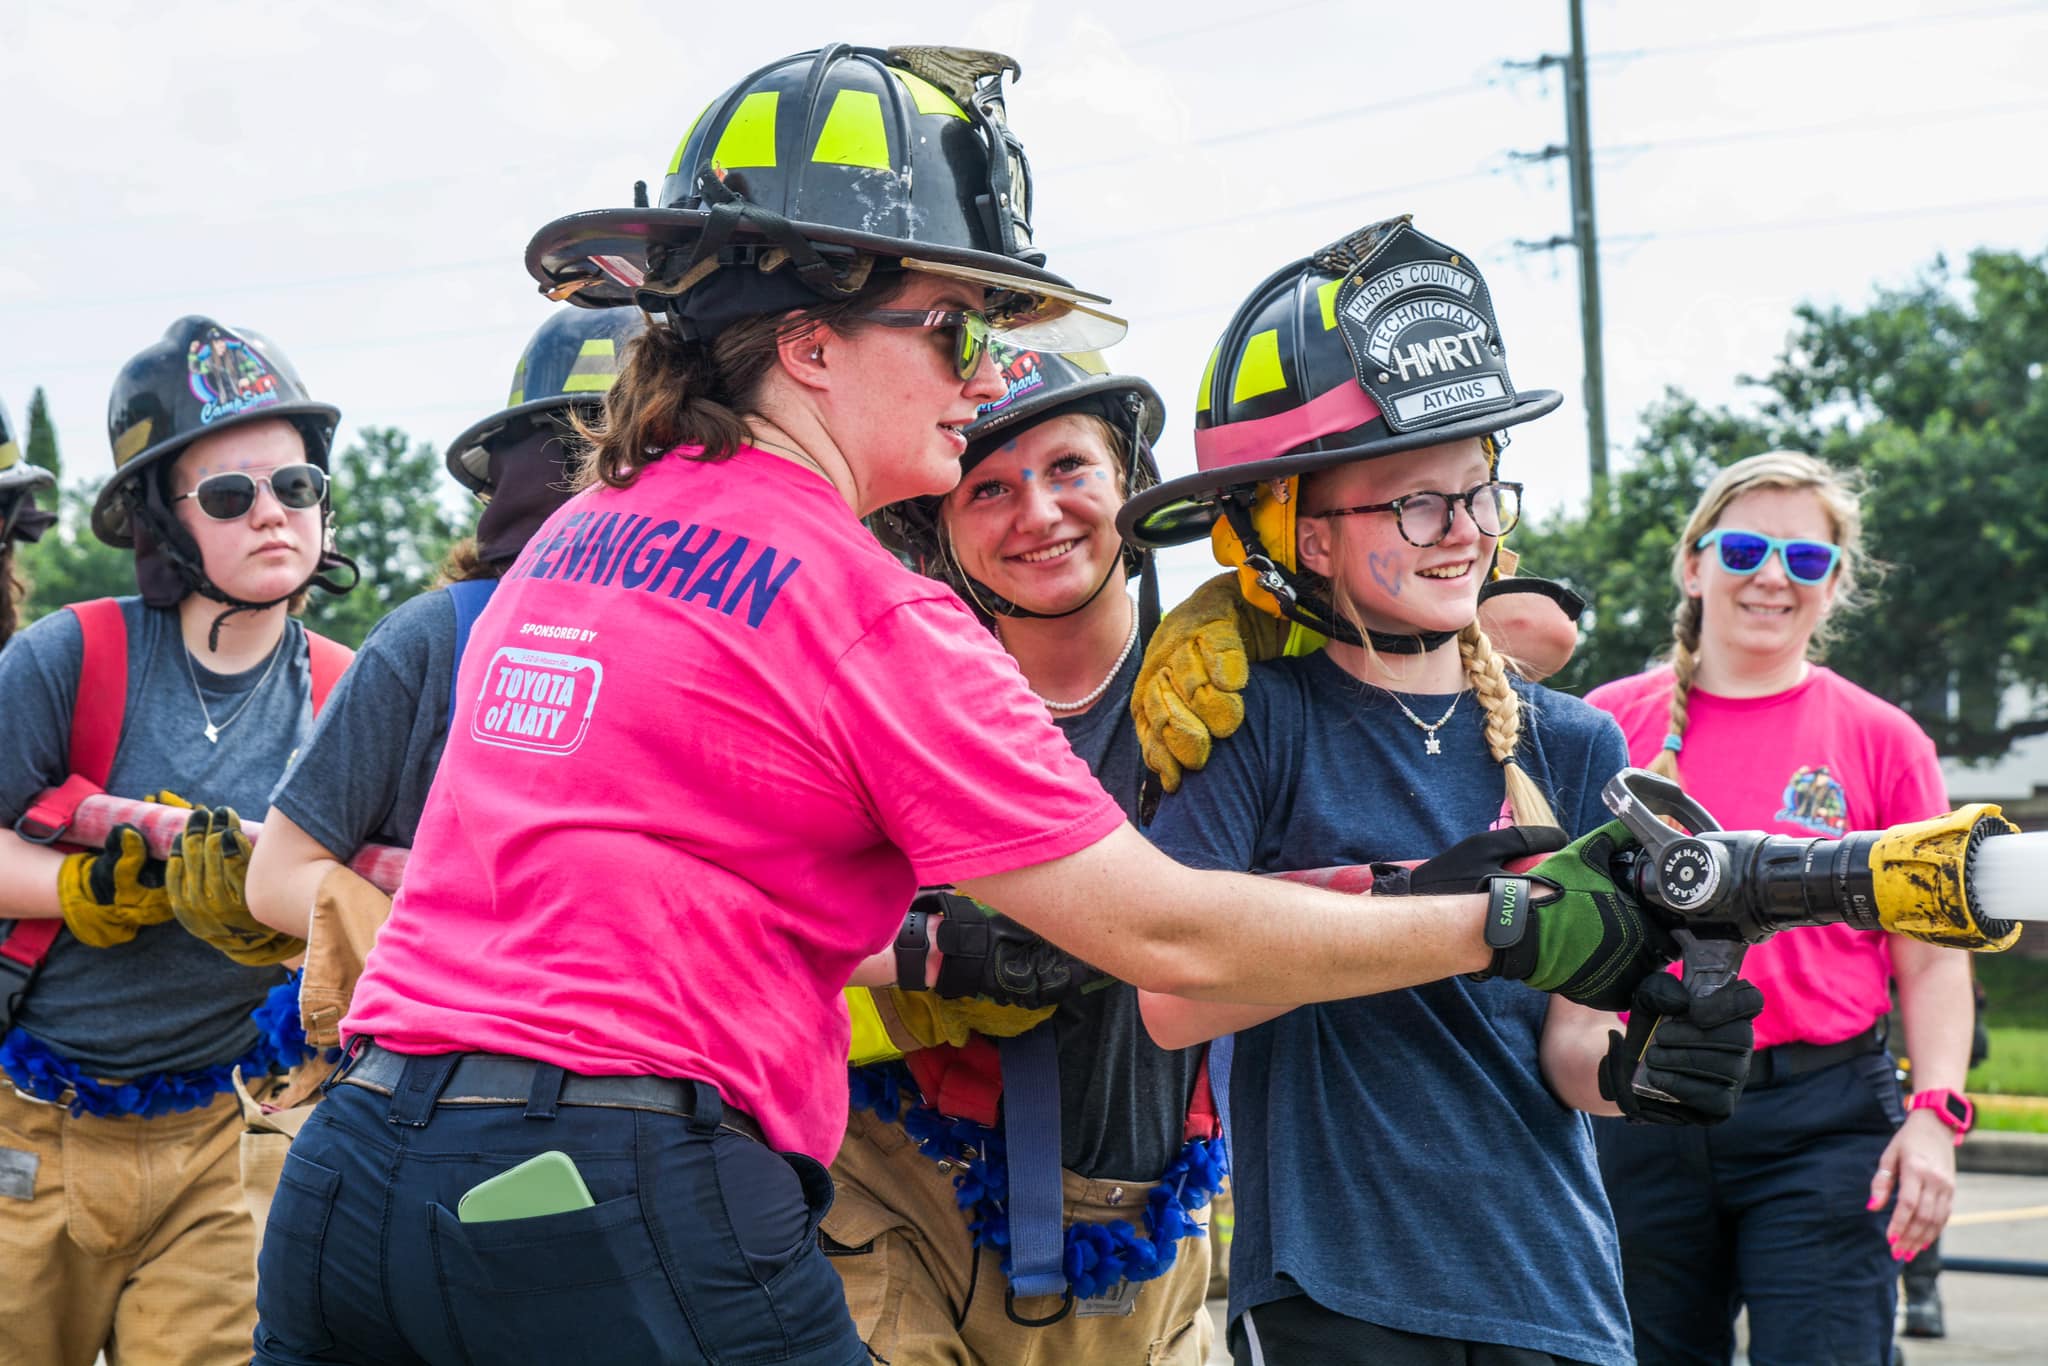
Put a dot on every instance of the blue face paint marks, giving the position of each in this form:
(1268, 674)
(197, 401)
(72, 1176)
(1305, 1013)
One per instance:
(1028, 474)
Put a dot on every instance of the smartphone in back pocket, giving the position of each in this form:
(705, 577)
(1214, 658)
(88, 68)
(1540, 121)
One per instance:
(547, 1183)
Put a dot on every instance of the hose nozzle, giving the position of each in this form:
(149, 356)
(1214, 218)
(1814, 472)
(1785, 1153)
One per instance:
(1921, 879)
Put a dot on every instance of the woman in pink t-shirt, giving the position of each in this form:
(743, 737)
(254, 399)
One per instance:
(710, 739)
(1803, 1205)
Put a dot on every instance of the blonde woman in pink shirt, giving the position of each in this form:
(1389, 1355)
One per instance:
(711, 738)
(1803, 1205)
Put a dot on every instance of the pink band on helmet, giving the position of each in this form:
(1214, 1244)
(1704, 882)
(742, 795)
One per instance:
(1263, 438)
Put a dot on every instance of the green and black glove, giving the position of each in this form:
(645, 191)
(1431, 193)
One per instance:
(1568, 926)
(108, 894)
(1695, 1052)
(205, 879)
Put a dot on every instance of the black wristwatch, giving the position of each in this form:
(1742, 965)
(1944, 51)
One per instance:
(913, 946)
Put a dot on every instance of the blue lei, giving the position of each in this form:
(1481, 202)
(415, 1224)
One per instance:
(1098, 1256)
(280, 1046)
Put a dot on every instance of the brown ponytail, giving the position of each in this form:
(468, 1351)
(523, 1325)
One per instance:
(1685, 662)
(672, 392)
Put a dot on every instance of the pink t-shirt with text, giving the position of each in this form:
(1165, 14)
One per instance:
(711, 738)
(1823, 758)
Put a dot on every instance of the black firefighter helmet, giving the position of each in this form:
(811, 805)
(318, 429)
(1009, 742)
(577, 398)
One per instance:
(570, 363)
(814, 172)
(1039, 386)
(1380, 343)
(20, 518)
(202, 377)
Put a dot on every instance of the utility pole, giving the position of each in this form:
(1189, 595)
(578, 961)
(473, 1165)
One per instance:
(1578, 152)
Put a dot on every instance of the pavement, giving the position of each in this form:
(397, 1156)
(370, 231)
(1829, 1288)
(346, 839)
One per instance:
(1992, 1319)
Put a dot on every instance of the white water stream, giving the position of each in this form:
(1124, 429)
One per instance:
(2009, 880)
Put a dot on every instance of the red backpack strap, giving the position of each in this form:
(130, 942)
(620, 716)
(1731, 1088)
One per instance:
(102, 701)
(329, 660)
(964, 1082)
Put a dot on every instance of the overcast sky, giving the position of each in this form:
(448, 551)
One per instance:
(359, 180)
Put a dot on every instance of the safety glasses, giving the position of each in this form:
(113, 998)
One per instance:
(1744, 552)
(228, 497)
(970, 331)
(1425, 518)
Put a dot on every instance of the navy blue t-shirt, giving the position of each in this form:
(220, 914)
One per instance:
(1398, 1157)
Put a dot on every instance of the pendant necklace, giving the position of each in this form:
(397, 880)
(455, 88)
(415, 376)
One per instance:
(1431, 745)
(1082, 703)
(213, 731)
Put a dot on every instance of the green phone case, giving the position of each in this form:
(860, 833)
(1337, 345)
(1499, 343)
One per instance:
(547, 1183)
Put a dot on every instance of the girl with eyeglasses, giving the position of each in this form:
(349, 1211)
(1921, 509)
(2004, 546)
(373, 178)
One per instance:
(1803, 1206)
(136, 985)
(1391, 1153)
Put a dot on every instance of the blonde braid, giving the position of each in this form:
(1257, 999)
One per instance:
(1487, 670)
(1685, 662)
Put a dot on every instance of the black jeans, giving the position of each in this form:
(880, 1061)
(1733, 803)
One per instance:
(1766, 1210)
(701, 1246)
(1299, 1332)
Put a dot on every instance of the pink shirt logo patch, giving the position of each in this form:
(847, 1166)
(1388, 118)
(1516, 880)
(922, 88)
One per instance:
(536, 700)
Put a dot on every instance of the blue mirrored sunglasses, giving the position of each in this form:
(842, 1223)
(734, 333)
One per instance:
(1744, 552)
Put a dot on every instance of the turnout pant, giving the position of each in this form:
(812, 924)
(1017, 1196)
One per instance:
(123, 1235)
(921, 1294)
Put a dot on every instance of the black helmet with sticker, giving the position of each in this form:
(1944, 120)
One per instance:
(1380, 343)
(813, 172)
(202, 377)
(569, 364)
(19, 517)
(1039, 386)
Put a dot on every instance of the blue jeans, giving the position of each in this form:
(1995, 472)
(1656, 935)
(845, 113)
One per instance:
(1765, 1210)
(701, 1246)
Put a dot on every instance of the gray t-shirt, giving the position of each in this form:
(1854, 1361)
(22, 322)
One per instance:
(362, 777)
(164, 1001)
(1123, 1099)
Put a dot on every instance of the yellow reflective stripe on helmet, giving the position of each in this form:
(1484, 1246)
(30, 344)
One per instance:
(853, 134)
(1326, 299)
(518, 394)
(928, 97)
(596, 368)
(749, 136)
(129, 444)
(1258, 369)
(675, 163)
(10, 455)
(870, 1042)
(1208, 374)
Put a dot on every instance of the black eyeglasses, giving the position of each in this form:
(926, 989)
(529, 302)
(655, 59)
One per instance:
(1425, 518)
(228, 497)
(970, 328)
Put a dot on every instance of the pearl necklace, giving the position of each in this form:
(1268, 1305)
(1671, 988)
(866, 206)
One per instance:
(1083, 703)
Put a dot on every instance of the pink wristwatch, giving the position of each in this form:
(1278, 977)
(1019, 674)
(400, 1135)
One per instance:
(1952, 1108)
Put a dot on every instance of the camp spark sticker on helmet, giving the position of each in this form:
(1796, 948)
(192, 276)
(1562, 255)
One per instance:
(536, 700)
(1022, 373)
(227, 377)
(1419, 324)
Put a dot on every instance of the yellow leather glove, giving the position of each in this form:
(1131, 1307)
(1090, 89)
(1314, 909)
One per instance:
(1198, 662)
(933, 1020)
(205, 879)
(108, 894)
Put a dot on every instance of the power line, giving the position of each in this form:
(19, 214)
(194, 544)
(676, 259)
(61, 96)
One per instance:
(1262, 16)
(1846, 220)
(1858, 125)
(1808, 35)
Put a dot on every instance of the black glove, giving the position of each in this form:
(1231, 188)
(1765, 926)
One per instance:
(987, 954)
(1467, 865)
(1571, 927)
(1696, 1051)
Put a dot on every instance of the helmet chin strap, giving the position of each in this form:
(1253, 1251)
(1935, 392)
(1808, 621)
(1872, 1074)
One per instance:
(176, 545)
(1299, 600)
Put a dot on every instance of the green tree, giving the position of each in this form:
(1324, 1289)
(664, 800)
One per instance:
(1934, 393)
(42, 435)
(70, 564)
(390, 519)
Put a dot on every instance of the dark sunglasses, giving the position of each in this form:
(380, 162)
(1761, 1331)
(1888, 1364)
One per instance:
(1744, 552)
(1425, 518)
(228, 497)
(970, 328)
